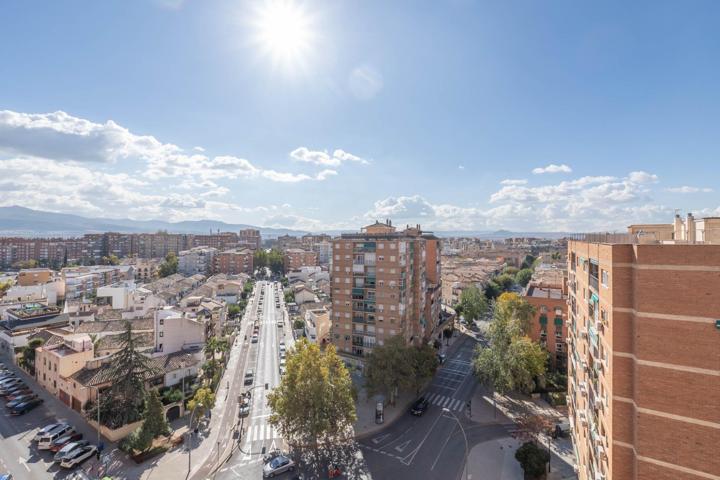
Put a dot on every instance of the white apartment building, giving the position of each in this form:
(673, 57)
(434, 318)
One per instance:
(176, 331)
(196, 260)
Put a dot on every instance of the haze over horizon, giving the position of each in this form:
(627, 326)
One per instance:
(332, 115)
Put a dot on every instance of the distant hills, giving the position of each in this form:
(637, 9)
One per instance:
(26, 222)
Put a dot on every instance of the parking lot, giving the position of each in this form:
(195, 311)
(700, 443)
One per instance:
(19, 454)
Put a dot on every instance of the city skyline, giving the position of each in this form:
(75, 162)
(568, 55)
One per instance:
(315, 117)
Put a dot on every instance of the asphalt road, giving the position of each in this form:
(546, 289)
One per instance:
(258, 436)
(433, 446)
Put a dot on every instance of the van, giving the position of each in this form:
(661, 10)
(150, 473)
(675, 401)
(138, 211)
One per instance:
(46, 440)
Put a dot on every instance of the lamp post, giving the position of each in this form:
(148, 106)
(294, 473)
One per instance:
(447, 410)
(189, 434)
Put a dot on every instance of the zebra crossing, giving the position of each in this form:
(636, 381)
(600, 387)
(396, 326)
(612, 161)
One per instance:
(443, 401)
(257, 433)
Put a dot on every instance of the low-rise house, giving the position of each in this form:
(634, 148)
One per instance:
(304, 295)
(176, 331)
(317, 326)
(57, 359)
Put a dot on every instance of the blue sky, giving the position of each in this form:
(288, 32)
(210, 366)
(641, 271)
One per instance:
(436, 113)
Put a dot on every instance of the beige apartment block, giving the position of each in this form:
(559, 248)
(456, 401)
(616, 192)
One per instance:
(384, 282)
(295, 258)
(644, 363)
(57, 360)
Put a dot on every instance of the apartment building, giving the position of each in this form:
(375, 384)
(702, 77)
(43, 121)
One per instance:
(84, 281)
(384, 283)
(196, 260)
(250, 238)
(234, 262)
(295, 258)
(60, 357)
(547, 292)
(644, 364)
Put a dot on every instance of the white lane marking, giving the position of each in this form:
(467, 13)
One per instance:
(380, 438)
(402, 446)
(445, 403)
(407, 460)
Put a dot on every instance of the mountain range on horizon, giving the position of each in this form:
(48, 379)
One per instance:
(27, 222)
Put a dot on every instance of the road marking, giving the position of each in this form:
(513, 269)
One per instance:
(380, 438)
(411, 456)
(402, 446)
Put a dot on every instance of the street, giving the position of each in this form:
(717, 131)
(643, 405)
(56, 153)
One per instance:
(433, 446)
(258, 436)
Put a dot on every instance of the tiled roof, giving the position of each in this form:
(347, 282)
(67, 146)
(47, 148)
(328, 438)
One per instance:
(115, 326)
(142, 339)
(161, 365)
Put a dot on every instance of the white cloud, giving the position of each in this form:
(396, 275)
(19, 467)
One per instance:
(510, 181)
(322, 157)
(642, 177)
(687, 189)
(552, 168)
(461, 167)
(365, 82)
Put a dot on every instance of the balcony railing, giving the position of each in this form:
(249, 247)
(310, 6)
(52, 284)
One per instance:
(593, 282)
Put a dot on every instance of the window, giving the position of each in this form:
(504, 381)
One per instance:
(392, 246)
(160, 347)
(558, 312)
(604, 278)
(381, 246)
(380, 258)
(162, 321)
(543, 309)
(392, 258)
(161, 334)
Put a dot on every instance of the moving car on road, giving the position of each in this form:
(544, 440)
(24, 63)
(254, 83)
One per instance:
(249, 377)
(419, 407)
(278, 465)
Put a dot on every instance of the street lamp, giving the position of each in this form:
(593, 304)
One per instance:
(447, 410)
(189, 434)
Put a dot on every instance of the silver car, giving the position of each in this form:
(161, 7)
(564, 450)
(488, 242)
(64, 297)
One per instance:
(278, 465)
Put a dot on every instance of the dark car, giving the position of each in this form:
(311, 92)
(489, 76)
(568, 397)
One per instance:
(26, 407)
(60, 442)
(20, 389)
(21, 399)
(419, 407)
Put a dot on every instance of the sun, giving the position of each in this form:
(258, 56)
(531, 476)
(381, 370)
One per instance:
(284, 32)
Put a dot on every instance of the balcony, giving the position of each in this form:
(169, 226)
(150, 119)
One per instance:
(594, 282)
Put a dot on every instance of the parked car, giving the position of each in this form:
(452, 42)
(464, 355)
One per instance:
(277, 466)
(255, 338)
(47, 439)
(282, 366)
(272, 454)
(47, 429)
(441, 358)
(59, 443)
(78, 456)
(244, 407)
(20, 389)
(249, 377)
(21, 399)
(26, 407)
(68, 448)
(419, 407)
(6, 476)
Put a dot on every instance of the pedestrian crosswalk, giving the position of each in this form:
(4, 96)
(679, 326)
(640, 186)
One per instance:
(257, 433)
(445, 402)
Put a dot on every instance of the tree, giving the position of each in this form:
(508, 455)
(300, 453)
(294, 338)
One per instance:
(169, 266)
(492, 290)
(314, 401)
(473, 303)
(511, 361)
(5, 286)
(276, 262)
(23, 264)
(529, 261)
(289, 296)
(523, 276)
(203, 400)
(28, 354)
(510, 270)
(522, 312)
(234, 310)
(155, 423)
(505, 281)
(110, 260)
(123, 402)
(210, 368)
(533, 460)
(299, 324)
(389, 368)
(424, 362)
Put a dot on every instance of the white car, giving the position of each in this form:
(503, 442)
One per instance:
(78, 457)
(48, 429)
(46, 440)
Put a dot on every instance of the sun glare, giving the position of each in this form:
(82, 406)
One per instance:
(284, 32)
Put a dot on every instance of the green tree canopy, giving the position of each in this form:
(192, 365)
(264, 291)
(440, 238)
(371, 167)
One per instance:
(389, 368)
(276, 262)
(424, 363)
(314, 401)
(523, 276)
(203, 400)
(510, 270)
(123, 402)
(260, 259)
(169, 266)
(505, 281)
(473, 303)
(528, 262)
(511, 361)
(155, 423)
(28, 354)
(533, 459)
(234, 309)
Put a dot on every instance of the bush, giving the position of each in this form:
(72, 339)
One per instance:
(533, 460)
(298, 324)
(558, 398)
(172, 396)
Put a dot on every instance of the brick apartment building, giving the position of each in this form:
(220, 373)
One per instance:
(547, 292)
(250, 238)
(384, 282)
(644, 368)
(294, 258)
(234, 262)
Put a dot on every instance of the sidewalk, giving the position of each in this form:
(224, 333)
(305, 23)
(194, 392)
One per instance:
(509, 408)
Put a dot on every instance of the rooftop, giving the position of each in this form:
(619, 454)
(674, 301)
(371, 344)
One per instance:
(544, 292)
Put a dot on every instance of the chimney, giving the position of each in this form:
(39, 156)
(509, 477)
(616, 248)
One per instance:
(678, 228)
